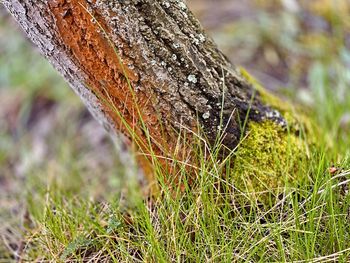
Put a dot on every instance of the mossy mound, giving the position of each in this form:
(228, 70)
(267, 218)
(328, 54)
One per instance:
(271, 157)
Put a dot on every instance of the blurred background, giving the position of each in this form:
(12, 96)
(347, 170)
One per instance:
(299, 49)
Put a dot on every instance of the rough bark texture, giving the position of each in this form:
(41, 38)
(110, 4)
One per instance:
(143, 60)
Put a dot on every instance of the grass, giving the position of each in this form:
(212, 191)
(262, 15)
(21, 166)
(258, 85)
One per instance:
(213, 221)
(60, 211)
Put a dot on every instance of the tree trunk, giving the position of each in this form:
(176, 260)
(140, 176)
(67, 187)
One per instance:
(145, 69)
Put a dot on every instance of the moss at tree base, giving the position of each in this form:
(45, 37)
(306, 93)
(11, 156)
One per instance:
(271, 157)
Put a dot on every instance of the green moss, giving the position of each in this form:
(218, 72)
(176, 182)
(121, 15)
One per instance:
(269, 158)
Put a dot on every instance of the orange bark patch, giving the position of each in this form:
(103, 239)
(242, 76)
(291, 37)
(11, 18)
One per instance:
(84, 35)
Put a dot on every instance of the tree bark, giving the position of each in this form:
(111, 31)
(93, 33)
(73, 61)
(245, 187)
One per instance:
(144, 68)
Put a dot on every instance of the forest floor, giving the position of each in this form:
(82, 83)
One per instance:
(63, 198)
